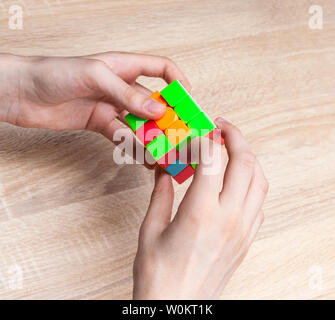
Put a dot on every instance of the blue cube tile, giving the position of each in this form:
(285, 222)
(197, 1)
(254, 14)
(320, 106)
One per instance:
(176, 167)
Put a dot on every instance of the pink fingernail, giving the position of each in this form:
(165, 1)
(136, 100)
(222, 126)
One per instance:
(154, 107)
(220, 119)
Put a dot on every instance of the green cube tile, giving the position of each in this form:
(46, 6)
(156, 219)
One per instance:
(159, 147)
(201, 125)
(173, 93)
(134, 121)
(193, 165)
(187, 109)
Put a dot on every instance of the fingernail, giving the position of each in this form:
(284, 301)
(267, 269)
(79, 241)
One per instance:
(221, 120)
(154, 107)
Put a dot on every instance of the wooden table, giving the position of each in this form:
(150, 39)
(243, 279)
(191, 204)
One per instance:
(69, 216)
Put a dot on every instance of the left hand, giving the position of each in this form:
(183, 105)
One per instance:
(76, 93)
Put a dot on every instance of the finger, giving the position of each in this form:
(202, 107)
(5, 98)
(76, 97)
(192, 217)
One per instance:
(162, 67)
(158, 216)
(102, 115)
(123, 113)
(257, 191)
(240, 166)
(211, 166)
(142, 89)
(103, 120)
(149, 65)
(149, 161)
(101, 78)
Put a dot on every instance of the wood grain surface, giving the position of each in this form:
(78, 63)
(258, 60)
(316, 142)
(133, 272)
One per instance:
(69, 216)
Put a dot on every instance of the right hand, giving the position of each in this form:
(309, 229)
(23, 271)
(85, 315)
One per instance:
(194, 255)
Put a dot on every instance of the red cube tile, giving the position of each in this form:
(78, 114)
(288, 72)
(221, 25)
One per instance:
(184, 175)
(148, 132)
(169, 158)
(215, 135)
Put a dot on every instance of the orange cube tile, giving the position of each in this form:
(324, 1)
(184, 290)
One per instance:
(157, 96)
(177, 132)
(170, 116)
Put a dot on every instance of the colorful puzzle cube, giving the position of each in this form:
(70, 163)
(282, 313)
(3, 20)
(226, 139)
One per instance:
(164, 138)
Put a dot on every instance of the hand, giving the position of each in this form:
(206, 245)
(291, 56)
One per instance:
(195, 255)
(80, 93)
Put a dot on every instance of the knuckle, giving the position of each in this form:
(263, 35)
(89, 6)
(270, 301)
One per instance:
(247, 160)
(203, 219)
(265, 186)
(261, 217)
(167, 61)
(130, 94)
(195, 219)
(233, 223)
(198, 218)
(143, 228)
(96, 66)
(167, 66)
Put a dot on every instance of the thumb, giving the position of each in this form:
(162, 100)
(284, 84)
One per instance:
(159, 213)
(122, 94)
